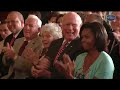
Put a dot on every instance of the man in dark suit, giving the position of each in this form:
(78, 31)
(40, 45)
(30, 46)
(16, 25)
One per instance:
(71, 27)
(15, 23)
(115, 44)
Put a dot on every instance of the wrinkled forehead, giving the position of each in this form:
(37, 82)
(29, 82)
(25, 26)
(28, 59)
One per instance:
(12, 16)
(71, 19)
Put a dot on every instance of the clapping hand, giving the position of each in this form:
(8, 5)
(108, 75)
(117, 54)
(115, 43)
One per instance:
(66, 67)
(30, 55)
(9, 52)
(41, 70)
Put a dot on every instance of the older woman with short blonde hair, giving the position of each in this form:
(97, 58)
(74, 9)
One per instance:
(53, 29)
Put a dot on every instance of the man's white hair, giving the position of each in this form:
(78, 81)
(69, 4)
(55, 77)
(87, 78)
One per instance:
(39, 22)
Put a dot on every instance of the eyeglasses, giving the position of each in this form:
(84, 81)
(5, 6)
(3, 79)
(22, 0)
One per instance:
(111, 17)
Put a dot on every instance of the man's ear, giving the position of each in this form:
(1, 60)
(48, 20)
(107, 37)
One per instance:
(22, 24)
(39, 29)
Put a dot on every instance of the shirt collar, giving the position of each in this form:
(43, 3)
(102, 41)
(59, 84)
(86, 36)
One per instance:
(17, 34)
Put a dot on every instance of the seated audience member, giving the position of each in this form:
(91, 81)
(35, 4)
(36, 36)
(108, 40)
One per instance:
(15, 23)
(95, 63)
(49, 33)
(4, 31)
(115, 50)
(69, 44)
(21, 67)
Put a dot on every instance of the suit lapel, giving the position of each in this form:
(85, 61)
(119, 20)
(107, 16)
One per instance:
(35, 44)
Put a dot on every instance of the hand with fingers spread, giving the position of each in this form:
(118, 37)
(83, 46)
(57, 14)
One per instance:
(44, 64)
(66, 67)
(41, 70)
(40, 73)
(30, 55)
(9, 52)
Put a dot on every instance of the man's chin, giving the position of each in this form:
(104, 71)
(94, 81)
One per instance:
(70, 39)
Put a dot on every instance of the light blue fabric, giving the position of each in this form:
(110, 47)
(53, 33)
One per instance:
(102, 68)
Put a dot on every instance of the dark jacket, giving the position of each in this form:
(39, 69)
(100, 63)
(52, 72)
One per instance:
(73, 50)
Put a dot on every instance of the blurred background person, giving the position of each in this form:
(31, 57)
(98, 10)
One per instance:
(52, 17)
(115, 43)
(4, 31)
(59, 19)
(97, 18)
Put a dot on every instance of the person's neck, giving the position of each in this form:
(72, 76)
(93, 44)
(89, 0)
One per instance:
(31, 38)
(93, 52)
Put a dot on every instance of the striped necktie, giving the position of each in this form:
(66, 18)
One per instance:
(12, 41)
(63, 46)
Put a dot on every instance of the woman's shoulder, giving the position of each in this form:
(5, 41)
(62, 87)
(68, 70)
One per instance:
(105, 55)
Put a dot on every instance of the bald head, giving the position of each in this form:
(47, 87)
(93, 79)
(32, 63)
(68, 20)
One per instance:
(72, 15)
(17, 14)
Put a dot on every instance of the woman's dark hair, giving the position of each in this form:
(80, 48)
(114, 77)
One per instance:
(52, 14)
(99, 33)
(59, 16)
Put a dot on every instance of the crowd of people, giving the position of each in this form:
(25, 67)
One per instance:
(69, 45)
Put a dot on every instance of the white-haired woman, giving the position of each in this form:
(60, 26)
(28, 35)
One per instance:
(49, 32)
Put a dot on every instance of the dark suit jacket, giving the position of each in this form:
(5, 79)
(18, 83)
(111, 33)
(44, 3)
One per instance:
(73, 50)
(3, 69)
(8, 39)
(116, 60)
(1, 38)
